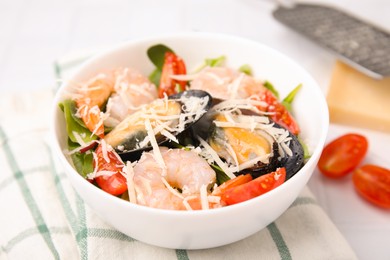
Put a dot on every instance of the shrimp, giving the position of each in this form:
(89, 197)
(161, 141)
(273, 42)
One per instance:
(131, 90)
(226, 83)
(123, 89)
(185, 170)
(92, 95)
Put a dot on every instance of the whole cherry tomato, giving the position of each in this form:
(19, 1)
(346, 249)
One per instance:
(254, 188)
(173, 65)
(373, 183)
(342, 155)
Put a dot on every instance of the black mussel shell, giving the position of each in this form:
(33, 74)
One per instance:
(292, 163)
(183, 137)
(262, 168)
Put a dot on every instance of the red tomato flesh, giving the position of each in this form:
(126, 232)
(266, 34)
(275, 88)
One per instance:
(373, 183)
(239, 180)
(173, 65)
(278, 112)
(254, 188)
(342, 155)
(115, 184)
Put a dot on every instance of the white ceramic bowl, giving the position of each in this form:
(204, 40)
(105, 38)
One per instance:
(216, 227)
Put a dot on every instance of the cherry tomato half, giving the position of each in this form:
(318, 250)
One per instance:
(278, 112)
(115, 184)
(255, 187)
(373, 183)
(173, 65)
(342, 155)
(239, 180)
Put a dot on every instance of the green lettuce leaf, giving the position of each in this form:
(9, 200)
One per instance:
(213, 62)
(271, 88)
(246, 69)
(83, 162)
(287, 101)
(75, 124)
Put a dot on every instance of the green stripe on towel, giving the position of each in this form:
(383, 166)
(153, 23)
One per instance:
(82, 234)
(27, 195)
(181, 254)
(108, 233)
(277, 237)
(304, 201)
(78, 222)
(73, 219)
(31, 232)
(9, 180)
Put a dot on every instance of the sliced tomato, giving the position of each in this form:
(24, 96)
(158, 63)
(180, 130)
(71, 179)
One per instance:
(254, 188)
(173, 65)
(115, 183)
(342, 155)
(373, 183)
(278, 112)
(239, 180)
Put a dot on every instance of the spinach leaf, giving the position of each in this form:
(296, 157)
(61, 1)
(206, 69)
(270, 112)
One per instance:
(221, 175)
(73, 125)
(287, 101)
(156, 54)
(155, 77)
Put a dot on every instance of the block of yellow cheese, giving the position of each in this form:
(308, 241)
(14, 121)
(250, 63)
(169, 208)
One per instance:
(357, 100)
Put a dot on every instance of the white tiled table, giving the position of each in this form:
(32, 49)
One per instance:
(34, 33)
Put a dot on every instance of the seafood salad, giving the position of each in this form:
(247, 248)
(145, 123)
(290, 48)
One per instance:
(182, 140)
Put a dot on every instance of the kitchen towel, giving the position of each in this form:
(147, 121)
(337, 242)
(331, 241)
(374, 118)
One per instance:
(42, 217)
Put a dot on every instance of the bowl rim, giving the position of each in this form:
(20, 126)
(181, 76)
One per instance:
(206, 35)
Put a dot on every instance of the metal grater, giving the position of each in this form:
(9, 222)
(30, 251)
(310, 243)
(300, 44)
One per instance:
(363, 46)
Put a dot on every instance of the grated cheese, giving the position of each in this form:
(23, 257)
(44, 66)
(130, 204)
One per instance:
(184, 77)
(232, 153)
(216, 158)
(78, 149)
(214, 199)
(171, 189)
(79, 139)
(130, 182)
(186, 204)
(153, 141)
(203, 197)
(105, 151)
(232, 88)
(104, 173)
(219, 80)
(262, 158)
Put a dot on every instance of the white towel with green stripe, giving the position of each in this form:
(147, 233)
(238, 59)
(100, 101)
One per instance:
(42, 217)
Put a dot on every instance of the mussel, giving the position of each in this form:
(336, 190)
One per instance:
(245, 138)
(167, 118)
